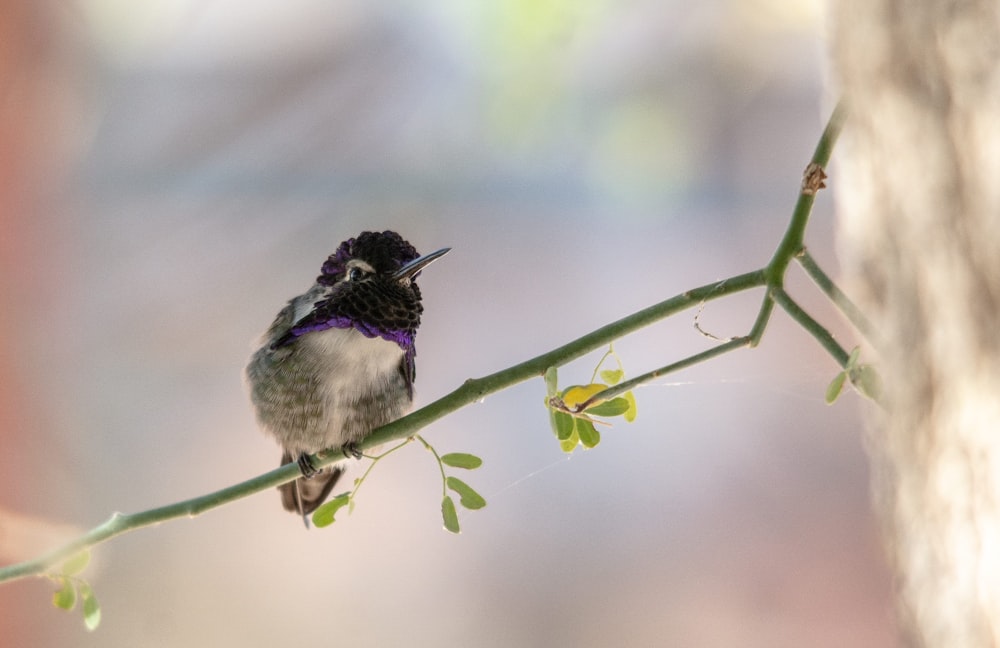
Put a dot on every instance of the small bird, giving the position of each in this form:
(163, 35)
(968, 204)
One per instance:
(338, 361)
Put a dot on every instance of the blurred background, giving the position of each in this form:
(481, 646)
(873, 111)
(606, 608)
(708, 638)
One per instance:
(173, 171)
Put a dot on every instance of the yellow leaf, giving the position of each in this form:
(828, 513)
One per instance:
(579, 394)
(631, 412)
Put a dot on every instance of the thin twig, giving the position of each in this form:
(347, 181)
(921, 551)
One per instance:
(817, 330)
(791, 242)
(628, 385)
(836, 295)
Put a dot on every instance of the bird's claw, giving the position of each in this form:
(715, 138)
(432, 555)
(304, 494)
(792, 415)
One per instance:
(306, 466)
(309, 470)
(352, 450)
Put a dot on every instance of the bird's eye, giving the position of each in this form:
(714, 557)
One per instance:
(355, 274)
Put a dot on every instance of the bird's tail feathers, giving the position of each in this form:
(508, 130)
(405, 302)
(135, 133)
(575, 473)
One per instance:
(305, 494)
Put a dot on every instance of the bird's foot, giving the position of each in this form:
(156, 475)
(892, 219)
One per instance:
(351, 449)
(306, 466)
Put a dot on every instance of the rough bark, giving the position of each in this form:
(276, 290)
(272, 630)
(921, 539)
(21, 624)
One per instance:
(919, 191)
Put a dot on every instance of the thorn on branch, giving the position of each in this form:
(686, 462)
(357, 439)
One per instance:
(812, 179)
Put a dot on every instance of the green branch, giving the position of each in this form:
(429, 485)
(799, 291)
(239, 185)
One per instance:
(471, 391)
(120, 523)
(817, 330)
(477, 388)
(835, 294)
(812, 182)
(771, 277)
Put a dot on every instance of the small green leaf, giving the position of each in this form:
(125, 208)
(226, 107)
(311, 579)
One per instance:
(612, 376)
(91, 608)
(563, 424)
(323, 516)
(589, 436)
(462, 460)
(852, 360)
(867, 380)
(835, 387)
(568, 445)
(449, 514)
(551, 381)
(64, 598)
(76, 564)
(613, 407)
(468, 497)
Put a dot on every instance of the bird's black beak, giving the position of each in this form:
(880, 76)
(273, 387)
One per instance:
(411, 269)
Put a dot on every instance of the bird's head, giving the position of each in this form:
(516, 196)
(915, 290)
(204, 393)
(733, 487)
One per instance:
(371, 280)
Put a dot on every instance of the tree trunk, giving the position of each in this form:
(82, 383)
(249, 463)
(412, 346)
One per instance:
(919, 191)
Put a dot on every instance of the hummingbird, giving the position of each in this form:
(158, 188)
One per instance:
(338, 360)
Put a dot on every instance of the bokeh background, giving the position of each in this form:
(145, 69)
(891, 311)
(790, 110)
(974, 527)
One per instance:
(173, 171)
